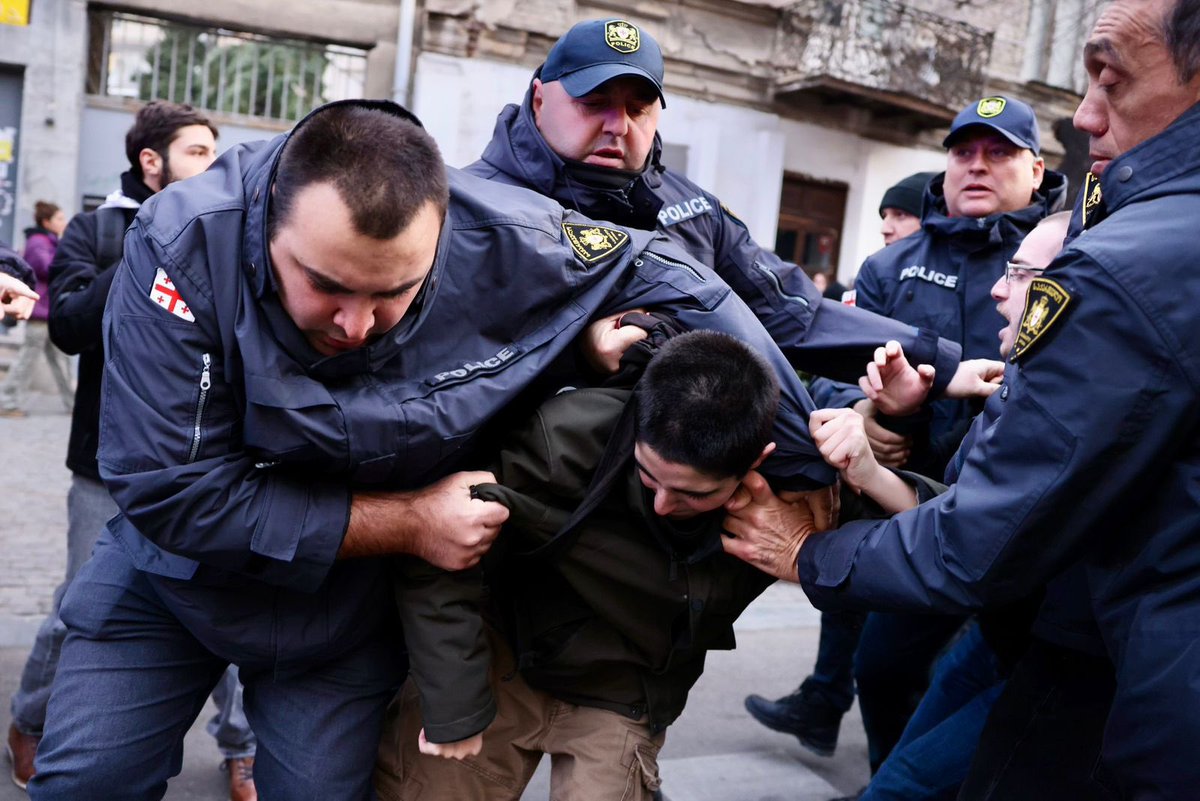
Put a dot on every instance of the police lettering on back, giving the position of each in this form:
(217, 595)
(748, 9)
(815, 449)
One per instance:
(932, 276)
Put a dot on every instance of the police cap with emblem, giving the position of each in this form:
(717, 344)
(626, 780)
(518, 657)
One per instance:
(599, 50)
(1011, 117)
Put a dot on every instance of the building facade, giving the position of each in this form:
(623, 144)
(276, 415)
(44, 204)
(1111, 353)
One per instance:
(797, 113)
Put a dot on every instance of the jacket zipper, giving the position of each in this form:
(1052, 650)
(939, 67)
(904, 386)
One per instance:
(205, 384)
(778, 285)
(672, 263)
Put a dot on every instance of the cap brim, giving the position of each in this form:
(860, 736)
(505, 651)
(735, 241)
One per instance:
(1016, 140)
(581, 82)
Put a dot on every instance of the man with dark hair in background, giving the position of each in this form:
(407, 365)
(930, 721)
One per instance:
(304, 346)
(166, 143)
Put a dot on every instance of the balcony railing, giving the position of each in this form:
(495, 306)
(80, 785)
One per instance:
(886, 52)
(219, 70)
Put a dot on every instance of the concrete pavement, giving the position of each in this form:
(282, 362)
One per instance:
(715, 752)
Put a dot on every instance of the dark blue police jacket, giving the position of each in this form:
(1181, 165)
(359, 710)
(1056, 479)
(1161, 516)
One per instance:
(818, 335)
(232, 447)
(12, 264)
(940, 278)
(1095, 457)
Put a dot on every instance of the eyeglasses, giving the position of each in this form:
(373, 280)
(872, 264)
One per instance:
(1020, 272)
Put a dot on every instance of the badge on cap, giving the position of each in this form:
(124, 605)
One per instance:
(990, 107)
(592, 243)
(1093, 201)
(1043, 306)
(622, 36)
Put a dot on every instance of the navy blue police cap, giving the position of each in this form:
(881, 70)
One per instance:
(1011, 117)
(599, 50)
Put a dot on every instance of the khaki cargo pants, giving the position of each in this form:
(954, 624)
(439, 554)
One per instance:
(595, 755)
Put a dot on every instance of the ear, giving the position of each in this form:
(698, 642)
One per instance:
(1039, 172)
(767, 450)
(151, 164)
(536, 101)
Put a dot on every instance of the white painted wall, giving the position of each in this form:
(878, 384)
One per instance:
(736, 153)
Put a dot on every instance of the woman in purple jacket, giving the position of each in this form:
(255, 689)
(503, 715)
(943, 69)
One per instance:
(40, 243)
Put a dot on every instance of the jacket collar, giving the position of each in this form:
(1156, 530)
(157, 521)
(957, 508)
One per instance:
(1161, 165)
(995, 229)
(519, 150)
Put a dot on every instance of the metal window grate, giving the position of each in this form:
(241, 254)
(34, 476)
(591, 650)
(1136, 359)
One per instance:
(219, 70)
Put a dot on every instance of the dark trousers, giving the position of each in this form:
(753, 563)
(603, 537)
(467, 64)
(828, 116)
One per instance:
(931, 759)
(1042, 739)
(132, 679)
(892, 667)
(833, 674)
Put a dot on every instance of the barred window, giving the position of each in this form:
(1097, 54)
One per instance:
(217, 69)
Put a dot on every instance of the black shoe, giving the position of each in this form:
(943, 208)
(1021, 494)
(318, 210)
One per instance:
(806, 713)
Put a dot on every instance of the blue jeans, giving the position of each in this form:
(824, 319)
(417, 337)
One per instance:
(132, 679)
(931, 758)
(89, 507)
(895, 655)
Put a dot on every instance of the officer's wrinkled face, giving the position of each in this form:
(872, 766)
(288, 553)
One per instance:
(612, 126)
(344, 289)
(898, 224)
(987, 174)
(1037, 250)
(680, 491)
(1134, 90)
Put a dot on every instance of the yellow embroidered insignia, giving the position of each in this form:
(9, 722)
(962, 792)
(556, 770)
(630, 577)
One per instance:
(592, 243)
(1043, 306)
(1092, 198)
(732, 216)
(990, 107)
(622, 36)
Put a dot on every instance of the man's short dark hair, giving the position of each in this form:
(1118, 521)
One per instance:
(707, 401)
(1183, 38)
(384, 167)
(156, 126)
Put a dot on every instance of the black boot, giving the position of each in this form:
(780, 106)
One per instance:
(806, 713)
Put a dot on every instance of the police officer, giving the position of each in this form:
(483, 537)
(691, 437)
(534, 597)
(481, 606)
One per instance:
(167, 142)
(302, 347)
(1088, 483)
(994, 191)
(586, 135)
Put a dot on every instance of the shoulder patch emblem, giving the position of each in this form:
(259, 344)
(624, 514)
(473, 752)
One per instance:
(732, 216)
(1044, 305)
(622, 36)
(592, 243)
(1093, 200)
(990, 107)
(164, 293)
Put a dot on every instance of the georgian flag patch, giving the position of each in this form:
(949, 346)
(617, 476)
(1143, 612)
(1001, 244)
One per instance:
(164, 294)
